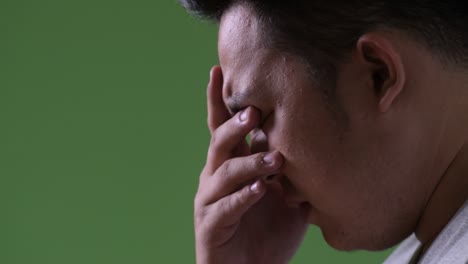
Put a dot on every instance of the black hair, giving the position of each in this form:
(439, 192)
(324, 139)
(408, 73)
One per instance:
(329, 29)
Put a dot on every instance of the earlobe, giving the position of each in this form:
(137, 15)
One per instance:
(386, 68)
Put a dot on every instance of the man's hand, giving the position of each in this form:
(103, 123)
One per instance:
(238, 217)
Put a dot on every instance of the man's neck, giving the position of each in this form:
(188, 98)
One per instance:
(448, 196)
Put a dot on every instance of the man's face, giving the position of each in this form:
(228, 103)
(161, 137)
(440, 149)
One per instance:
(357, 175)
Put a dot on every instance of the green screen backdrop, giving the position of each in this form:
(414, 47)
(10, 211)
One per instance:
(103, 135)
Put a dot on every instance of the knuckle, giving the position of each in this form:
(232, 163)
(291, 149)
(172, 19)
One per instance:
(213, 162)
(201, 199)
(218, 136)
(199, 216)
(215, 146)
(243, 195)
(231, 127)
(197, 201)
(214, 137)
(239, 199)
(225, 169)
(229, 204)
(205, 172)
(210, 123)
(257, 161)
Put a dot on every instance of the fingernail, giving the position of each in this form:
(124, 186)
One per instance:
(269, 158)
(243, 116)
(255, 187)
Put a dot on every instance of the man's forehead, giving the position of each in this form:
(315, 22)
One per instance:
(238, 35)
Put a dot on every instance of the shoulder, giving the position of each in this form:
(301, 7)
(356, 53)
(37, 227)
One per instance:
(451, 246)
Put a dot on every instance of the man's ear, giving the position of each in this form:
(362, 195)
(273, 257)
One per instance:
(387, 72)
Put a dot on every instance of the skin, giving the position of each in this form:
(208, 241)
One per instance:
(391, 162)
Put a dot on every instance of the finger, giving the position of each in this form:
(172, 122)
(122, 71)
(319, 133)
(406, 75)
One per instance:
(227, 138)
(258, 141)
(230, 209)
(217, 112)
(237, 172)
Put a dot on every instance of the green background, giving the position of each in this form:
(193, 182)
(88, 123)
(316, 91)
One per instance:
(102, 133)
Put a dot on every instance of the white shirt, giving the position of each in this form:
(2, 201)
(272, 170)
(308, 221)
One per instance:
(450, 246)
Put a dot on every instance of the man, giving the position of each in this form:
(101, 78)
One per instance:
(357, 113)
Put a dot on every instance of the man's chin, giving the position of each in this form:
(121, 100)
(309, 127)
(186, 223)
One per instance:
(343, 241)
